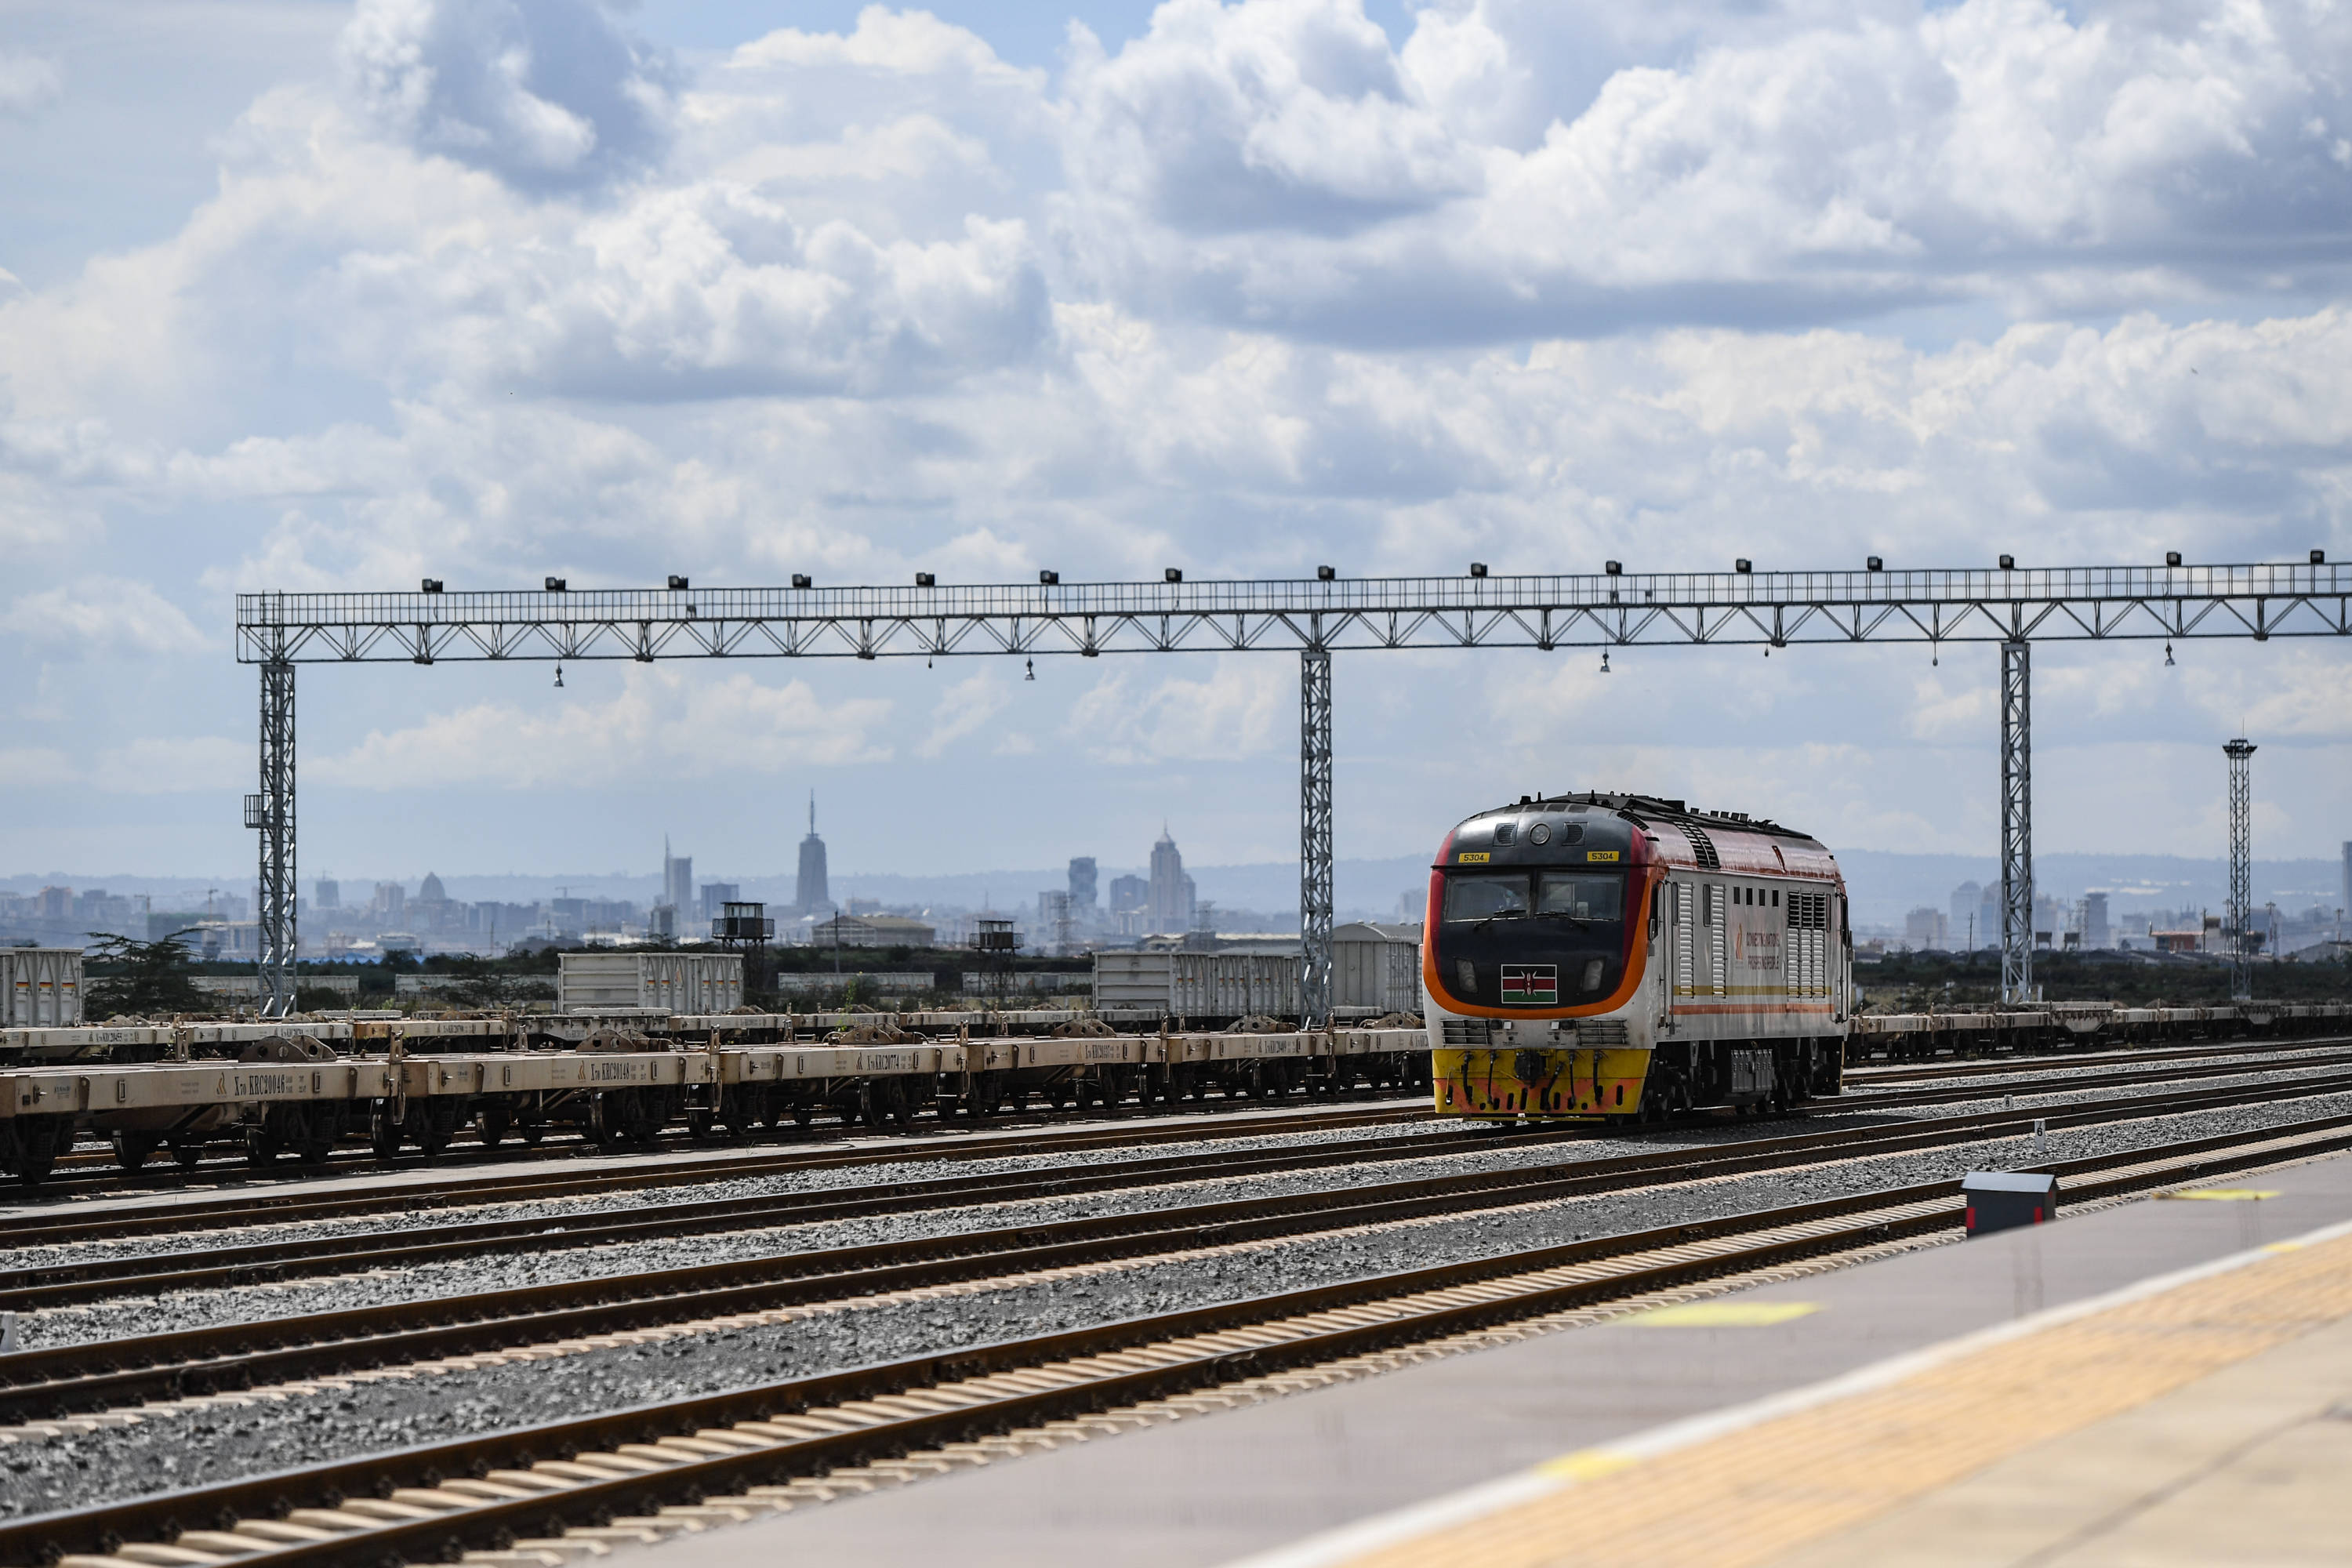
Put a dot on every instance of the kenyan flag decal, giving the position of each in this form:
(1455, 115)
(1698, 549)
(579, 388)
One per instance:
(1530, 986)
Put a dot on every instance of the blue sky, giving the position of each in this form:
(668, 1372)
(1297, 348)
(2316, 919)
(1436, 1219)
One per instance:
(300, 294)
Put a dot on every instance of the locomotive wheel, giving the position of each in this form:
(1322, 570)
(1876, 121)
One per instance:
(532, 1132)
(186, 1154)
(495, 1120)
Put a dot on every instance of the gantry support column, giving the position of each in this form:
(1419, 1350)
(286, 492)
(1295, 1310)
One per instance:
(2016, 822)
(1315, 836)
(272, 811)
(2242, 869)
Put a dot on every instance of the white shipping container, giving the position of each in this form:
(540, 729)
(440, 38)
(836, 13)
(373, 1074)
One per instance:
(698, 984)
(1198, 984)
(1383, 974)
(40, 987)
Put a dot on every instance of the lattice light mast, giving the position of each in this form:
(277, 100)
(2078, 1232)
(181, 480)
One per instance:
(2241, 917)
(1315, 885)
(2016, 821)
(271, 811)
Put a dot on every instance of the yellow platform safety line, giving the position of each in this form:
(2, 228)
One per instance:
(1757, 1489)
(1724, 1315)
(2223, 1194)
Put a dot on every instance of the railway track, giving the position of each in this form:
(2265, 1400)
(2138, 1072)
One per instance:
(654, 1470)
(47, 1382)
(295, 1206)
(1866, 1098)
(72, 1281)
(1863, 1077)
(84, 1169)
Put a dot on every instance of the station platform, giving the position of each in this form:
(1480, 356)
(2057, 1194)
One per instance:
(2152, 1382)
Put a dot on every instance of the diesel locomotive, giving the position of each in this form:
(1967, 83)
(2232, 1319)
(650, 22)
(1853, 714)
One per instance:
(1620, 958)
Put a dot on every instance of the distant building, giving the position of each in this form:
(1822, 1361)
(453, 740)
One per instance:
(331, 894)
(1968, 926)
(872, 931)
(1082, 889)
(2096, 931)
(391, 900)
(430, 891)
(813, 894)
(1922, 929)
(2344, 898)
(717, 896)
(678, 879)
(1170, 906)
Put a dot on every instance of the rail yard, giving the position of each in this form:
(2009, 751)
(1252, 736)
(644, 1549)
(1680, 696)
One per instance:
(819, 1270)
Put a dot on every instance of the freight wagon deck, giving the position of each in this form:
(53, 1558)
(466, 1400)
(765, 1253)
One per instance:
(418, 1082)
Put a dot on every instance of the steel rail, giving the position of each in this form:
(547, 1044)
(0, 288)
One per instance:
(61, 1284)
(1862, 1078)
(1867, 1098)
(66, 1283)
(436, 1502)
(295, 1205)
(41, 1383)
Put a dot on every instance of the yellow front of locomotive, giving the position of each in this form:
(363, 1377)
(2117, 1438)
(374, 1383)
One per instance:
(1533, 955)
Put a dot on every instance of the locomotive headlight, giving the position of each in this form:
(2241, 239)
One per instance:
(1592, 975)
(1539, 833)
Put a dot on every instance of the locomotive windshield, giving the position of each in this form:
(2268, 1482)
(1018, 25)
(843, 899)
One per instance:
(1581, 896)
(1531, 939)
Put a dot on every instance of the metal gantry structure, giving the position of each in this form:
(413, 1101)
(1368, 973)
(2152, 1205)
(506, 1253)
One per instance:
(1314, 618)
(2017, 820)
(1316, 896)
(2241, 753)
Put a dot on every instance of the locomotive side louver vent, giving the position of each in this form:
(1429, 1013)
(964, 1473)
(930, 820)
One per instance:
(1466, 1032)
(1701, 845)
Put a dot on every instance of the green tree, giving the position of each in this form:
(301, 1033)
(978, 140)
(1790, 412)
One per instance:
(142, 977)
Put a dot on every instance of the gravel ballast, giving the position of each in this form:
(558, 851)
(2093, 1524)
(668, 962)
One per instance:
(169, 1451)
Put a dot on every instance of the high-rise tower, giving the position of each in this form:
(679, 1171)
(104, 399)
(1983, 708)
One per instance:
(1171, 905)
(678, 880)
(812, 896)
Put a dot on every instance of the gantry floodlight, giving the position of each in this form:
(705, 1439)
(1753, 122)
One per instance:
(926, 580)
(1326, 574)
(1873, 563)
(676, 584)
(1049, 579)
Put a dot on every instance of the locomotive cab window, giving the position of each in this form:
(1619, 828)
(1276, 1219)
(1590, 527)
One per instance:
(1577, 896)
(1485, 898)
(1582, 896)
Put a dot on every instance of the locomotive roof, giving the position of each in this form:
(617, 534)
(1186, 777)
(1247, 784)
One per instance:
(1647, 808)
